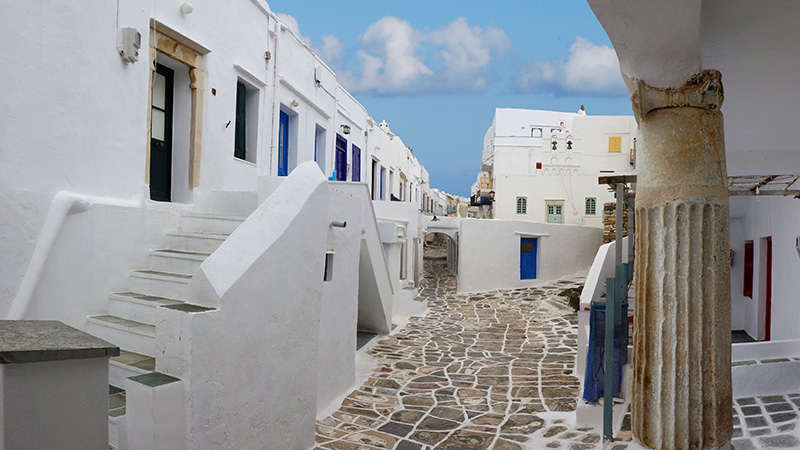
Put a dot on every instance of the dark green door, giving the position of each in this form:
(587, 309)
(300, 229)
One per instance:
(161, 134)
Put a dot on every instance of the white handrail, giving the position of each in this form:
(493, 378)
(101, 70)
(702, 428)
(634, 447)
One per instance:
(64, 204)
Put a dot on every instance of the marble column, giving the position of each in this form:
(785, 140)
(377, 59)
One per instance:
(682, 339)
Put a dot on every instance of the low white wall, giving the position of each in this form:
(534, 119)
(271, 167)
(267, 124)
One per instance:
(339, 315)
(375, 289)
(603, 267)
(489, 252)
(93, 254)
(253, 366)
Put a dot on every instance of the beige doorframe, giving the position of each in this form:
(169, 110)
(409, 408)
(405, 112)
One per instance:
(169, 42)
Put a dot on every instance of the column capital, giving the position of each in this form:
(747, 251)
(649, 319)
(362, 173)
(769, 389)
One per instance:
(701, 90)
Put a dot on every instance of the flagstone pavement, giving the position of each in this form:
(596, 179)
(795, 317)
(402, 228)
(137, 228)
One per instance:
(477, 372)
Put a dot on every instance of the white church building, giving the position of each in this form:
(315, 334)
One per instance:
(543, 166)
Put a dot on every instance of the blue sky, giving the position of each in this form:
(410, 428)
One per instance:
(436, 70)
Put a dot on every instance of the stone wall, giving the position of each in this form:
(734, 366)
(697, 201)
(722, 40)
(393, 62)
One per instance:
(610, 220)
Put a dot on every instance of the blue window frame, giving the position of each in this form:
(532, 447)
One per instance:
(341, 158)
(283, 145)
(356, 164)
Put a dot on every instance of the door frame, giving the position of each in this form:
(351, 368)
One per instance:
(169, 111)
(548, 203)
(169, 42)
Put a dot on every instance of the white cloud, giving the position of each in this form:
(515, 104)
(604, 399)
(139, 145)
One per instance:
(467, 51)
(331, 50)
(291, 22)
(390, 60)
(588, 69)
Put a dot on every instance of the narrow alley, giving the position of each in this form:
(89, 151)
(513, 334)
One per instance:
(477, 372)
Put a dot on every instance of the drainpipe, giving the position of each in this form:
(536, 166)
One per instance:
(275, 103)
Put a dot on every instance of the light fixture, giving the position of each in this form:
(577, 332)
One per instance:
(187, 8)
(295, 103)
(346, 129)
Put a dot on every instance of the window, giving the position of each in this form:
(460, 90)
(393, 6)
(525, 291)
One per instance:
(536, 132)
(341, 158)
(246, 127)
(319, 147)
(356, 164)
(383, 182)
(522, 205)
(591, 206)
(615, 144)
(328, 275)
(748, 269)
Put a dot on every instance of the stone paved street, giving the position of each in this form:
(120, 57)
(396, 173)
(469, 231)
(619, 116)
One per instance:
(478, 372)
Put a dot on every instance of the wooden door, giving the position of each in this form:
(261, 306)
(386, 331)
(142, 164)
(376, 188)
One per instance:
(283, 145)
(768, 277)
(161, 134)
(527, 258)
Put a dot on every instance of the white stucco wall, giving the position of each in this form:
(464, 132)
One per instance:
(262, 343)
(489, 252)
(339, 313)
(93, 253)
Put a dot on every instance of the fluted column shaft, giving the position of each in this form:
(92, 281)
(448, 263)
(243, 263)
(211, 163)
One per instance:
(682, 339)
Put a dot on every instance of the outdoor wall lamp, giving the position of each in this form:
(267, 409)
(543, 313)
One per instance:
(346, 129)
(295, 103)
(187, 8)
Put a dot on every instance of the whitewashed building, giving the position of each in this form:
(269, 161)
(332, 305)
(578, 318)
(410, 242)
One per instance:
(543, 166)
(197, 189)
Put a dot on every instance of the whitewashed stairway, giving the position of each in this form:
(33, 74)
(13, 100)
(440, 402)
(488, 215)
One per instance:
(133, 315)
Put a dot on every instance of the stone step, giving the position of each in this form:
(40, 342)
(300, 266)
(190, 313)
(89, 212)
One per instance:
(138, 307)
(136, 336)
(159, 284)
(129, 364)
(195, 242)
(176, 261)
(210, 223)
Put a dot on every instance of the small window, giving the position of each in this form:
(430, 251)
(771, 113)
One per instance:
(615, 144)
(328, 276)
(591, 206)
(246, 126)
(522, 205)
(536, 132)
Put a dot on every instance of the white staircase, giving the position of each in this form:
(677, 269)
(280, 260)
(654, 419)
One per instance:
(133, 315)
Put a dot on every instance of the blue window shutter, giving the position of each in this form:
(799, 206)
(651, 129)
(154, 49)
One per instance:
(283, 145)
(341, 158)
(356, 163)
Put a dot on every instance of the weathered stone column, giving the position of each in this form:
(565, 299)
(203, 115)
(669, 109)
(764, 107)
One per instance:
(682, 339)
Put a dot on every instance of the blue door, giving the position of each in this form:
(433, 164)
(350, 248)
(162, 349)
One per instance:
(341, 158)
(283, 145)
(527, 258)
